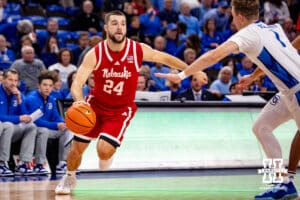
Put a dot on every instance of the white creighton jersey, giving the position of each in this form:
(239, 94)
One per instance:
(269, 48)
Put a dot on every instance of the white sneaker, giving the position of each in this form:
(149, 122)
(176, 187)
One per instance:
(66, 184)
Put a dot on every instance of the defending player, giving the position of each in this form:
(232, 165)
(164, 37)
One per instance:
(277, 58)
(115, 63)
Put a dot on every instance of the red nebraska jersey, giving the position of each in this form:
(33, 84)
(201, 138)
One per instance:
(115, 76)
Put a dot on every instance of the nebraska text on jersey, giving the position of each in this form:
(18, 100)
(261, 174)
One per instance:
(111, 73)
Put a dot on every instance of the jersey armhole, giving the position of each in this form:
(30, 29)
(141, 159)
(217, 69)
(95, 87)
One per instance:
(98, 52)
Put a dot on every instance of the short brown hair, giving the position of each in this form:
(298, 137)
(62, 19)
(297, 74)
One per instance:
(114, 12)
(247, 8)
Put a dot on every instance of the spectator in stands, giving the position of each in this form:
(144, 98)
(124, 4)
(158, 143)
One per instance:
(257, 85)
(14, 113)
(175, 88)
(211, 39)
(94, 40)
(86, 20)
(181, 32)
(159, 43)
(205, 6)
(156, 83)
(196, 92)
(64, 65)
(67, 3)
(142, 83)
(29, 68)
(150, 23)
(129, 12)
(50, 125)
(247, 67)
(230, 61)
(140, 6)
(191, 22)
(57, 92)
(219, 15)
(168, 14)
(145, 69)
(49, 54)
(193, 41)
(26, 41)
(90, 84)
(288, 27)
(83, 42)
(234, 89)
(110, 5)
(52, 28)
(189, 55)
(4, 12)
(70, 80)
(171, 38)
(229, 32)
(24, 27)
(134, 29)
(221, 85)
(7, 56)
(275, 11)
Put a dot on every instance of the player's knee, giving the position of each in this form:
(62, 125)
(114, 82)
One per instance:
(259, 128)
(105, 154)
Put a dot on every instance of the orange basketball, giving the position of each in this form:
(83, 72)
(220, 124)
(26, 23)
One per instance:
(80, 118)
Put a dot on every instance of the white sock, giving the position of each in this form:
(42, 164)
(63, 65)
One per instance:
(105, 164)
(71, 173)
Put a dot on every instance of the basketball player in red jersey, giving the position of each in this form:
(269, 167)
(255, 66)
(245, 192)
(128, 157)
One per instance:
(115, 63)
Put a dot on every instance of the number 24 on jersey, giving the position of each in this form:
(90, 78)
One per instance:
(110, 86)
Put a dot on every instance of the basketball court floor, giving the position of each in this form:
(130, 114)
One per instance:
(228, 184)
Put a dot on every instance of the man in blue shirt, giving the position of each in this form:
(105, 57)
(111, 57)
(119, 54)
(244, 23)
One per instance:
(50, 125)
(13, 114)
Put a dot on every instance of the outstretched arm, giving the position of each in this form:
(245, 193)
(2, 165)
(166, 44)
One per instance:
(85, 69)
(204, 61)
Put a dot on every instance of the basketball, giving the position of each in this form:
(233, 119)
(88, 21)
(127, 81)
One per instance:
(80, 118)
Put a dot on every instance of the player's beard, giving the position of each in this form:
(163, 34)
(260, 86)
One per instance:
(114, 39)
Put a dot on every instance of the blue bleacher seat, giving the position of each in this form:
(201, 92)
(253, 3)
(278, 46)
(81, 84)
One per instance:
(55, 8)
(61, 21)
(56, 11)
(37, 20)
(72, 11)
(14, 18)
(14, 8)
(64, 35)
(40, 32)
(75, 35)
(71, 46)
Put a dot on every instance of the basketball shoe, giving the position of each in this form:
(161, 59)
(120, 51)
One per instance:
(61, 168)
(23, 170)
(66, 184)
(40, 170)
(282, 191)
(4, 171)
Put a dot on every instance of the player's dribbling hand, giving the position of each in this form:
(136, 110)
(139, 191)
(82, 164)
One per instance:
(171, 77)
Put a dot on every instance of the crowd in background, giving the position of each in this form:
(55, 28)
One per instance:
(54, 35)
